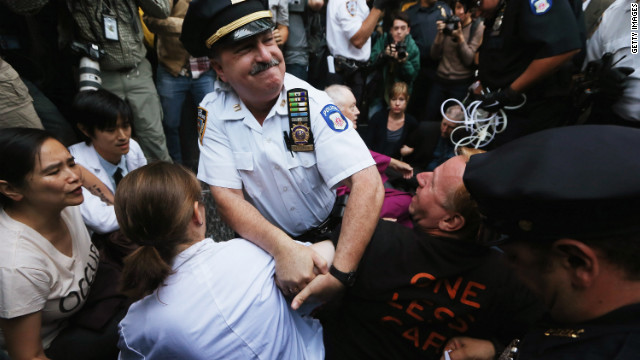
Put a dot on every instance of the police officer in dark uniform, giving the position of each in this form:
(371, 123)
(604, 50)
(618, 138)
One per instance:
(565, 204)
(525, 43)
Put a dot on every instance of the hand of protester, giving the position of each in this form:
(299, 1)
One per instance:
(295, 264)
(321, 289)
(466, 348)
(494, 101)
(402, 167)
(277, 37)
(405, 150)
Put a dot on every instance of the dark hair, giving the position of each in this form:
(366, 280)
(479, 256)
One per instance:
(154, 205)
(466, 4)
(19, 148)
(400, 16)
(622, 251)
(99, 109)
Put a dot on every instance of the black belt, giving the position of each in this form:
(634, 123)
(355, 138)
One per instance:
(346, 65)
(329, 225)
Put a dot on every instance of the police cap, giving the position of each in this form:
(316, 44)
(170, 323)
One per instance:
(210, 22)
(576, 182)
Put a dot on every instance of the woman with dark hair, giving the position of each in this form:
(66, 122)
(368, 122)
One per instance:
(47, 261)
(198, 299)
(108, 152)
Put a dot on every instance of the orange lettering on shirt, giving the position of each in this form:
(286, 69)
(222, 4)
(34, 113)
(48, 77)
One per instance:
(468, 292)
(442, 310)
(421, 276)
(431, 341)
(394, 304)
(414, 305)
(392, 319)
(412, 334)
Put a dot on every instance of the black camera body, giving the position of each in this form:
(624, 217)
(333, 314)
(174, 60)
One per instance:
(451, 23)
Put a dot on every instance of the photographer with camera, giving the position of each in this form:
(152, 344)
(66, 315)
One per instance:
(395, 57)
(110, 32)
(458, 38)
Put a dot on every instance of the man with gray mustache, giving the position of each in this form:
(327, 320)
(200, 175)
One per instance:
(273, 150)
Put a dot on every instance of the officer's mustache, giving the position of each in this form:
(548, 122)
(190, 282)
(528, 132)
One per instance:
(262, 66)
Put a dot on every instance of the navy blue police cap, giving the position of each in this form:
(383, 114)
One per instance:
(576, 182)
(210, 22)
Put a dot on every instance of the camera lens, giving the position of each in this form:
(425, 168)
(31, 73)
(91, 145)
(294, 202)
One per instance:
(89, 74)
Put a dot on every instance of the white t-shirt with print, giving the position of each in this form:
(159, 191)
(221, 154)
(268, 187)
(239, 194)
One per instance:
(35, 276)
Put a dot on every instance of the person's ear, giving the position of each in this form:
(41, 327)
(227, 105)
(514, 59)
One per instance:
(215, 64)
(579, 259)
(10, 191)
(198, 213)
(451, 222)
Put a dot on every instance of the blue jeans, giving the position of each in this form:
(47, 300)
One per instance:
(173, 91)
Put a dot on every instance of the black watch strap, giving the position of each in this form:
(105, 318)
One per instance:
(347, 279)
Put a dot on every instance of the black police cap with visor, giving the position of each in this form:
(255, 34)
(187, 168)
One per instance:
(580, 182)
(216, 22)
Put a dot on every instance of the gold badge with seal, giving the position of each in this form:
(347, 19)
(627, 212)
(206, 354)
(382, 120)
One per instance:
(301, 137)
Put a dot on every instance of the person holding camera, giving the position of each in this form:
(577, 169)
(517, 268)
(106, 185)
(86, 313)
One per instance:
(111, 32)
(455, 45)
(395, 58)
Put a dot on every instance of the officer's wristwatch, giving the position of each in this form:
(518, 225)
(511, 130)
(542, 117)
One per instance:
(347, 279)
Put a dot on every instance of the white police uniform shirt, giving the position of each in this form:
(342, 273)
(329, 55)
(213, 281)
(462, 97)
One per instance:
(220, 302)
(293, 190)
(344, 19)
(97, 215)
(613, 36)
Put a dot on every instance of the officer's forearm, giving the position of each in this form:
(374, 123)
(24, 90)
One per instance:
(366, 29)
(246, 220)
(360, 218)
(540, 68)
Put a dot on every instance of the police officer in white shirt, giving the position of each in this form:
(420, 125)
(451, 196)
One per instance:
(349, 28)
(273, 150)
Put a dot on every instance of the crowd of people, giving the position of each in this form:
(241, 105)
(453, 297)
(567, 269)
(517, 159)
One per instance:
(437, 179)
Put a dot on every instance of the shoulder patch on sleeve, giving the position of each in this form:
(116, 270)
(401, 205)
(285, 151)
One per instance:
(352, 7)
(334, 118)
(539, 7)
(202, 123)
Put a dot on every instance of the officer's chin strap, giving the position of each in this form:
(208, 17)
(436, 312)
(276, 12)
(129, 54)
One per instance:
(481, 126)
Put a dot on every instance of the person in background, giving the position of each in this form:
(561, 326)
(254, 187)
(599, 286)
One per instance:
(445, 149)
(396, 203)
(423, 16)
(455, 46)
(198, 299)
(543, 37)
(396, 57)
(108, 152)
(116, 28)
(350, 24)
(178, 73)
(280, 11)
(296, 48)
(389, 130)
(47, 261)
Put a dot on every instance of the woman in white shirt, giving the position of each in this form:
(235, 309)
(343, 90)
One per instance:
(47, 261)
(198, 299)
